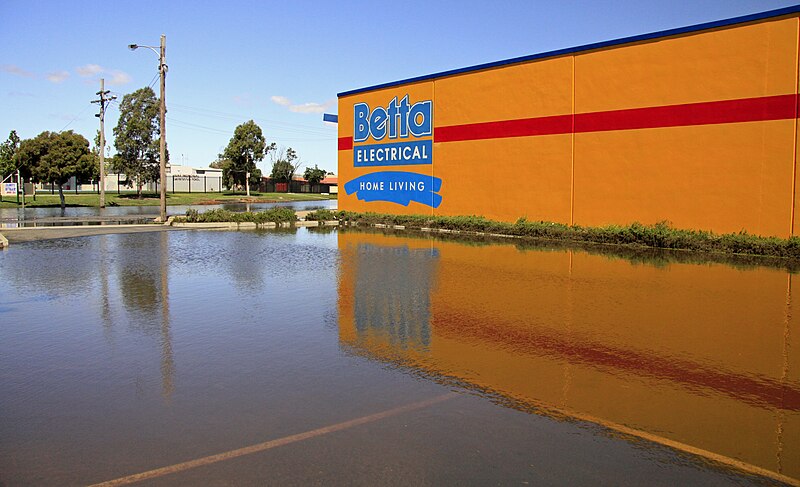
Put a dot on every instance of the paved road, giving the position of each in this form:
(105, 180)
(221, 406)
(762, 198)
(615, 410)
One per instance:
(81, 220)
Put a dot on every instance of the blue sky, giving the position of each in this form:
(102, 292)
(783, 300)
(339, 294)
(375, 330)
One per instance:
(282, 63)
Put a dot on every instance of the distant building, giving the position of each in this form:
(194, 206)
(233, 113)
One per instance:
(329, 185)
(180, 179)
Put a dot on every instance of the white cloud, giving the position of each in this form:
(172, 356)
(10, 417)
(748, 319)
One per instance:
(95, 72)
(309, 107)
(119, 77)
(57, 76)
(16, 70)
(89, 70)
(281, 100)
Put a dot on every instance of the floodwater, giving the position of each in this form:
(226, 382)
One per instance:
(357, 357)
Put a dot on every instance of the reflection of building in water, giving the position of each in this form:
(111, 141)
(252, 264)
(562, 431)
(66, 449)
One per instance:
(398, 309)
(696, 357)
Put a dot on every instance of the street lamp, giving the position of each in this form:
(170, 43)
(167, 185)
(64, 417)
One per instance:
(162, 69)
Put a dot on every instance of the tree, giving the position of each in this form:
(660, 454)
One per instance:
(55, 157)
(227, 175)
(285, 164)
(219, 163)
(246, 147)
(8, 150)
(314, 175)
(96, 153)
(137, 137)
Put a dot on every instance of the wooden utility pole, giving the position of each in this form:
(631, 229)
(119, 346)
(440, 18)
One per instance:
(102, 115)
(162, 69)
(163, 149)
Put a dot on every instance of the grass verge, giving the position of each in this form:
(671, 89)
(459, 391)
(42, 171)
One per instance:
(321, 215)
(275, 215)
(661, 235)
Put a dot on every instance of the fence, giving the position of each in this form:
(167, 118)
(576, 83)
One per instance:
(295, 187)
(119, 183)
(186, 184)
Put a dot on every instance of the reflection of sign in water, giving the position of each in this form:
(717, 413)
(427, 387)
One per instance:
(397, 187)
(392, 294)
(10, 188)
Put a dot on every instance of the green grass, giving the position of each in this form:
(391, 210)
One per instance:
(322, 215)
(661, 235)
(275, 215)
(152, 199)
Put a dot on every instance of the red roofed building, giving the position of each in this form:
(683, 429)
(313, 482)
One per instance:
(329, 185)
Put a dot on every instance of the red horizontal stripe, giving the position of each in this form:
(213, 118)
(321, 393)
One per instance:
(780, 107)
(559, 124)
(345, 143)
(708, 113)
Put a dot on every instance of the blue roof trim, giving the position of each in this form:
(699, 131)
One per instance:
(588, 47)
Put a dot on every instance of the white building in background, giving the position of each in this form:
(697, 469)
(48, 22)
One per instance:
(187, 179)
(180, 179)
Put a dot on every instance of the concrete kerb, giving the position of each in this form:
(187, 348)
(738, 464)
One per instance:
(315, 223)
(223, 225)
(250, 225)
(436, 230)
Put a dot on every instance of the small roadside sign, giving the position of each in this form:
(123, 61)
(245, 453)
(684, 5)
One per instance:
(9, 189)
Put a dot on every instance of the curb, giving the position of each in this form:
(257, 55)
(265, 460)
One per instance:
(251, 225)
(225, 225)
(316, 223)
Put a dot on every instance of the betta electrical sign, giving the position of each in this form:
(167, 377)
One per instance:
(401, 124)
(397, 134)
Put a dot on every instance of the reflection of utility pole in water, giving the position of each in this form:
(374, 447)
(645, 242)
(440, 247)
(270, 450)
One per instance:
(105, 311)
(781, 413)
(167, 362)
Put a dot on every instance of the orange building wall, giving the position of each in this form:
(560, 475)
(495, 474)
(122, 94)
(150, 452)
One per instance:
(698, 129)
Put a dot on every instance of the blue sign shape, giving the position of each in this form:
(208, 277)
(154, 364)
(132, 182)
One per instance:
(396, 154)
(397, 187)
(397, 119)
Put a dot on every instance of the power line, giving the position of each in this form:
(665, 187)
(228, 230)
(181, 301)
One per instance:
(312, 130)
(194, 126)
(198, 126)
(153, 81)
(75, 118)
